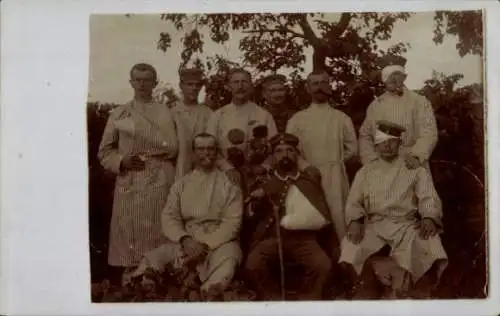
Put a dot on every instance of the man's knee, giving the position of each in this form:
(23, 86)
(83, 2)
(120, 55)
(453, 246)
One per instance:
(321, 264)
(223, 276)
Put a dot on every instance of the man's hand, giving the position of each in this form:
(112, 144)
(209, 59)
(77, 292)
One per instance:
(356, 232)
(234, 176)
(193, 249)
(132, 163)
(427, 228)
(412, 162)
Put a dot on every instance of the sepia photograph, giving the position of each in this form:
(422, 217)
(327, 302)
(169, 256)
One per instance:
(322, 156)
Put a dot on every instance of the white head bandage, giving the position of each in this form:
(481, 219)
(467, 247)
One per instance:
(381, 137)
(387, 71)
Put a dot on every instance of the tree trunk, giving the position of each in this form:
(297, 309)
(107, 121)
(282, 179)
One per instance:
(319, 59)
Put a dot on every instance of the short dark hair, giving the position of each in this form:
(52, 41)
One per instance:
(144, 67)
(234, 71)
(203, 135)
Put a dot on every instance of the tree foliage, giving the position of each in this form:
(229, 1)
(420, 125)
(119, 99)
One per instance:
(466, 25)
(460, 117)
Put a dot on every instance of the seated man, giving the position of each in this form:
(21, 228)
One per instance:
(292, 225)
(202, 218)
(392, 206)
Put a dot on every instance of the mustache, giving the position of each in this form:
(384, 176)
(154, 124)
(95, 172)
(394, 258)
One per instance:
(323, 91)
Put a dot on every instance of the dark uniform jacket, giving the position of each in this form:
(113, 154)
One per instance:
(276, 189)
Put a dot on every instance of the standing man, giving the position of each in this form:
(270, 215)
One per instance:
(140, 146)
(233, 124)
(274, 93)
(327, 140)
(406, 108)
(192, 115)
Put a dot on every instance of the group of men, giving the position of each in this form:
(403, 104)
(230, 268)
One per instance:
(181, 190)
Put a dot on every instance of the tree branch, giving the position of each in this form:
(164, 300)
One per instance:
(263, 31)
(309, 34)
(340, 27)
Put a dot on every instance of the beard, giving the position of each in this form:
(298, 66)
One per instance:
(286, 164)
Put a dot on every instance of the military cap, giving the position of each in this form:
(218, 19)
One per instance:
(272, 79)
(191, 74)
(390, 128)
(284, 138)
(236, 136)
